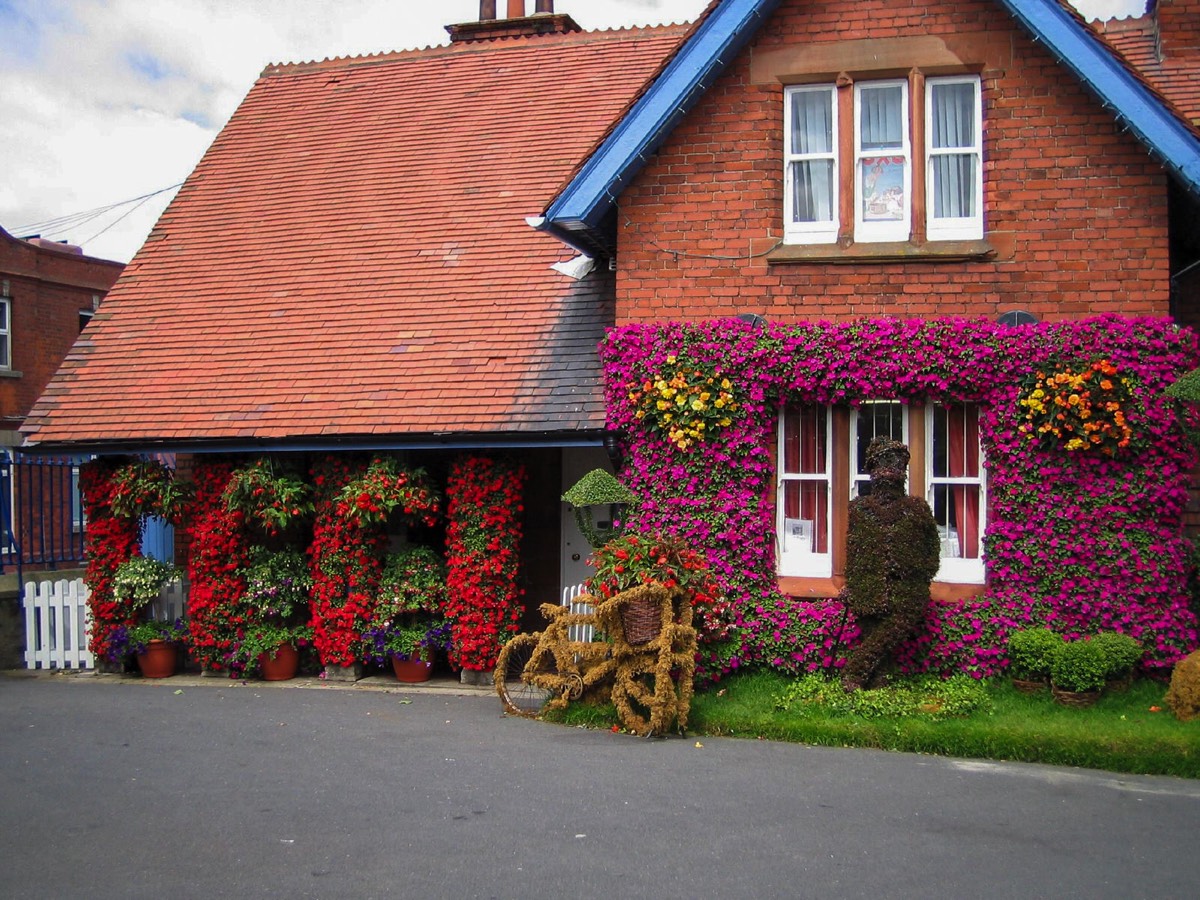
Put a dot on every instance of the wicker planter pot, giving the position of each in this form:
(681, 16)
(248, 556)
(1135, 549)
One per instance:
(1030, 685)
(1074, 698)
(642, 620)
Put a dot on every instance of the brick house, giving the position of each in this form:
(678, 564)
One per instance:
(781, 161)
(48, 293)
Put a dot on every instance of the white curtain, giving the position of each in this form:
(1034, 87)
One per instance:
(812, 134)
(953, 127)
(881, 118)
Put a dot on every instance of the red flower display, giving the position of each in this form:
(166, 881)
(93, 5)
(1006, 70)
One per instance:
(484, 507)
(111, 540)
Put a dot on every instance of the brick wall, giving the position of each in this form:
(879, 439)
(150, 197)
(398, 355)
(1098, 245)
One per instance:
(1075, 208)
(47, 288)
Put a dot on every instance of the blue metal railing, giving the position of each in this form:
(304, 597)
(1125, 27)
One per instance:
(41, 512)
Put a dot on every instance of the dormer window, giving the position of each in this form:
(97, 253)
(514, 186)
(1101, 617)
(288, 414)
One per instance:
(913, 166)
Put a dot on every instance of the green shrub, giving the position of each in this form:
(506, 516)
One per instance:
(1121, 652)
(1079, 666)
(1031, 652)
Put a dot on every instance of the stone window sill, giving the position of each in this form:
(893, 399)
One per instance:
(995, 247)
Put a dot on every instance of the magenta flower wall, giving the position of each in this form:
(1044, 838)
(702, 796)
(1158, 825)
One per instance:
(1078, 542)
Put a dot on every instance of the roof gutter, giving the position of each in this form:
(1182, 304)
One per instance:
(1132, 103)
(447, 441)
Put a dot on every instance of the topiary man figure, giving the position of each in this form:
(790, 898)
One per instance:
(892, 554)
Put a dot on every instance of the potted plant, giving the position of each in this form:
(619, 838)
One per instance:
(410, 645)
(271, 495)
(1030, 653)
(154, 643)
(1121, 653)
(1078, 672)
(276, 596)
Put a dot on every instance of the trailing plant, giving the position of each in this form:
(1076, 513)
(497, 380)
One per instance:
(1031, 652)
(483, 538)
(413, 580)
(269, 494)
(598, 488)
(139, 580)
(109, 542)
(1078, 406)
(146, 487)
(1081, 542)
(277, 584)
(217, 562)
(371, 496)
(685, 401)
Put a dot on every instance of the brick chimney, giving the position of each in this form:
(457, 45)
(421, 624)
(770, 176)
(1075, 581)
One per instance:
(1178, 27)
(516, 23)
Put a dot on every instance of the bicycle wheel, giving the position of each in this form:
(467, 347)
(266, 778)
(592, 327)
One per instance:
(520, 697)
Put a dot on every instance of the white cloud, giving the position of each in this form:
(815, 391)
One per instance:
(106, 101)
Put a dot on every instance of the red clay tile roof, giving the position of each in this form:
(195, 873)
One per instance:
(350, 258)
(1174, 75)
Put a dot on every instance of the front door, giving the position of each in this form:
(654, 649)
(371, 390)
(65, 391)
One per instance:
(576, 462)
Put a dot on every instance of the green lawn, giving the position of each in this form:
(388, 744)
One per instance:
(1120, 733)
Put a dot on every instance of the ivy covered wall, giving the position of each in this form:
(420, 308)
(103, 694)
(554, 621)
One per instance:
(1079, 540)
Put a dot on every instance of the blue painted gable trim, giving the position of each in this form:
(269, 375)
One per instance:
(584, 202)
(1133, 104)
(578, 211)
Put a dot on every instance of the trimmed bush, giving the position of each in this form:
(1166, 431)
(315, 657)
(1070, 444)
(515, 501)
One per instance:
(1121, 652)
(1184, 694)
(1031, 652)
(1079, 666)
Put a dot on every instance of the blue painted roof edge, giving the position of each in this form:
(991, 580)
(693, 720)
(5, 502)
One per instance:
(1133, 103)
(583, 202)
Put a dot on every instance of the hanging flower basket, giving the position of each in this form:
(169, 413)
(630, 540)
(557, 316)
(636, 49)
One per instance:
(641, 618)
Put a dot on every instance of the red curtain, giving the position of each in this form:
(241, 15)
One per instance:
(963, 449)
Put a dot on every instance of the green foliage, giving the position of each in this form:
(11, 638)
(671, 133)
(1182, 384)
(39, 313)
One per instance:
(268, 638)
(813, 695)
(413, 580)
(138, 636)
(597, 488)
(270, 494)
(277, 584)
(1080, 666)
(1031, 652)
(139, 580)
(1121, 652)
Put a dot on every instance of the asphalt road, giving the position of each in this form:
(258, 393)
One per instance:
(125, 789)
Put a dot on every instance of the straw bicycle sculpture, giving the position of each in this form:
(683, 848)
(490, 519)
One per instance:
(648, 653)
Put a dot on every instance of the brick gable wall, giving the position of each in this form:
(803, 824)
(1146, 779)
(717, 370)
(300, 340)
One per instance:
(1075, 208)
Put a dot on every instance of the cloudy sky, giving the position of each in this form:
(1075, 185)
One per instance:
(107, 104)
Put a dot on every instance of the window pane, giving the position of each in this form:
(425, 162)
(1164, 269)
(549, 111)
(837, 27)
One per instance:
(956, 510)
(812, 190)
(806, 517)
(953, 111)
(812, 122)
(883, 180)
(954, 186)
(881, 118)
(873, 420)
(805, 441)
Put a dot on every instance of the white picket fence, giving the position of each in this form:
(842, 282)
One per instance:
(57, 625)
(57, 622)
(570, 598)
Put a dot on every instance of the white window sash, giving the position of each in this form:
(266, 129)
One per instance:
(858, 477)
(946, 227)
(794, 561)
(879, 178)
(956, 569)
(825, 229)
(5, 333)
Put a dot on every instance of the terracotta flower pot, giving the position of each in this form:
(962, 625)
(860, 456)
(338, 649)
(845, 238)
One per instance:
(411, 671)
(158, 661)
(283, 667)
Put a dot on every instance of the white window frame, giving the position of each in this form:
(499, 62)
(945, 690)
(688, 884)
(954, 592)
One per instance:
(8, 497)
(794, 563)
(958, 228)
(6, 360)
(857, 477)
(901, 229)
(810, 232)
(956, 569)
